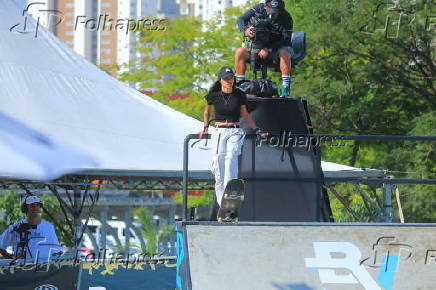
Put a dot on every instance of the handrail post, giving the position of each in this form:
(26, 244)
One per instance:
(186, 172)
(185, 178)
(387, 214)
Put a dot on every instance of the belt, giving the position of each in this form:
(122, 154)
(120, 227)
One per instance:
(227, 126)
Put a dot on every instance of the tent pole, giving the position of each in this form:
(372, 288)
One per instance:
(76, 217)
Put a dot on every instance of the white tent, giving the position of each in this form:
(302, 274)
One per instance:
(27, 154)
(333, 170)
(49, 87)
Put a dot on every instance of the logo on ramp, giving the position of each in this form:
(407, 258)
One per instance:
(46, 287)
(333, 256)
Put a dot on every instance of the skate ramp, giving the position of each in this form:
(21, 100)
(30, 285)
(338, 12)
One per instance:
(297, 256)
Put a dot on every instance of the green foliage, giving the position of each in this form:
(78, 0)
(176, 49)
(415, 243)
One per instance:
(152, 233)
(10, 205)
(360, 78)
(205, 199)
(362, 82)
(418, 160)
(355, 205)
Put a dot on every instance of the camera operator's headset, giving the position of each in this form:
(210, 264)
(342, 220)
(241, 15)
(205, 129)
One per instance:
(24, 205)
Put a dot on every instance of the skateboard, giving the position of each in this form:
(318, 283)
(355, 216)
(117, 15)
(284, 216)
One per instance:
(231, 201)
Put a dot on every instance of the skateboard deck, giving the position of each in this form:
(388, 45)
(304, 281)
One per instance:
(231, 201)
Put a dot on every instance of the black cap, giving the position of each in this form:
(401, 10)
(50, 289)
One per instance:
(273, 6)
(225, 72)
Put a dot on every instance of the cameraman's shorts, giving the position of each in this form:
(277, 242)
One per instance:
(275, 53)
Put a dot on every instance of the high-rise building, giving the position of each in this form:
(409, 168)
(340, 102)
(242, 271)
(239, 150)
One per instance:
(169, 8)
(65, 29)
(187, 7)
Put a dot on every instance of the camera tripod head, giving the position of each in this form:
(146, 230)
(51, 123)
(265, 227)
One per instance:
(23, 229)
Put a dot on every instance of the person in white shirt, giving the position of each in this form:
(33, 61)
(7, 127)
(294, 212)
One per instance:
(31, 238)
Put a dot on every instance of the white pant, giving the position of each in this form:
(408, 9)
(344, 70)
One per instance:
(225, 160)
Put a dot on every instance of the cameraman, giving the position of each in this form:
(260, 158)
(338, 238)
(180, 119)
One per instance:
(278, 45)
(30, 238)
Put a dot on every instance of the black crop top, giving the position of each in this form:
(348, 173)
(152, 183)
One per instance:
(227, 106)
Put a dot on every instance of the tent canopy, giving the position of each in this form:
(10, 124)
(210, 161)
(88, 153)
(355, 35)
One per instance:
(331, 169)
(46, 85)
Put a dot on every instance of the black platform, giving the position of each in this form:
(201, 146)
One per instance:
(281, 201)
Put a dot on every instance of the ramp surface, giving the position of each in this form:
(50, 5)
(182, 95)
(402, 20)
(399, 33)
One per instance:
(306, 256)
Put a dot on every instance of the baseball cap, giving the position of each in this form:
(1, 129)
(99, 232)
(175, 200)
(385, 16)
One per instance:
(273, 7)
(225, 72)
(32, 199)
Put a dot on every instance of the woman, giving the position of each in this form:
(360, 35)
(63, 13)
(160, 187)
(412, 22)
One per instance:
(229, 104)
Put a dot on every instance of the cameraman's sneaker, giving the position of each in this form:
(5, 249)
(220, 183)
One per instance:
(285, 92)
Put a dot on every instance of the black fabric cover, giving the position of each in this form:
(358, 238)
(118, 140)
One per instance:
(281, 201)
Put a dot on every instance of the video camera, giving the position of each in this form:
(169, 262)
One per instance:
(262, 32)
(23, 227)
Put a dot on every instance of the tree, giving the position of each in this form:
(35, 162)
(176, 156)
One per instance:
(151, 232)
(419, 161)
(190, 53)
(10, 204)
(359, 80)
(363, 77)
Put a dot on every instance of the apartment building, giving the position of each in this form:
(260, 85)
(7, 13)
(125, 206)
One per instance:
(187, 7)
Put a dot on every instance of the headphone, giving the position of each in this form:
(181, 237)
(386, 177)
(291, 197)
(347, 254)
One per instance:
(24, 205)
